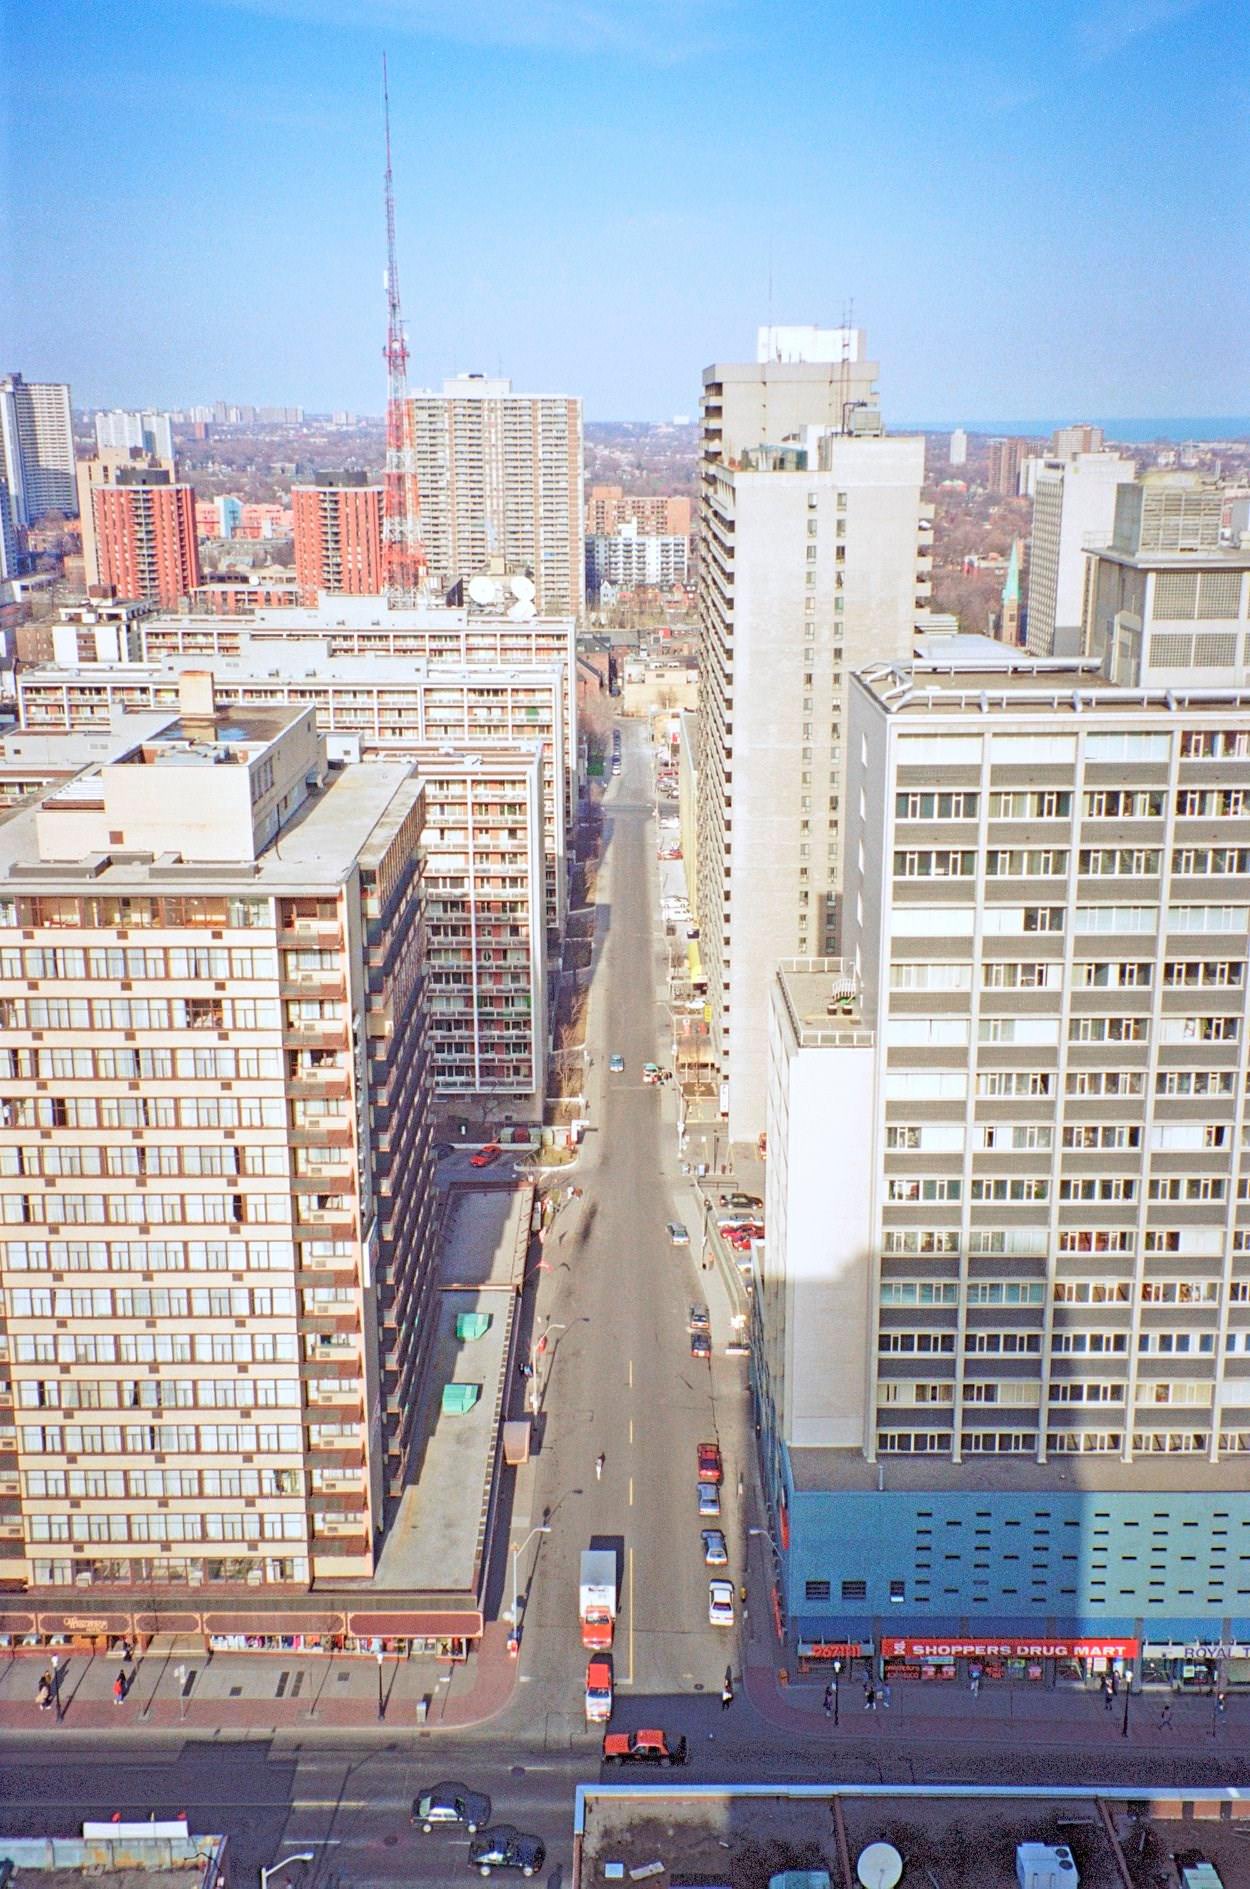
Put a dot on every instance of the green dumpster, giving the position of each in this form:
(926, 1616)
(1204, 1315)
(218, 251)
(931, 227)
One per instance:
(470, 1325)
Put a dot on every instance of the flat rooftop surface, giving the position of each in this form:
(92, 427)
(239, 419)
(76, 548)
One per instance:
(1043, 687)
(809, 986)
(435, 1543)
(319, 845)
(294, 660)
(732, 1838)
(817, 1471)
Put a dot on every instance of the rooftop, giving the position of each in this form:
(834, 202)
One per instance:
(297, 661)
(1033, 686)
(817, 1471)
(1223, 557)
(823, 1001)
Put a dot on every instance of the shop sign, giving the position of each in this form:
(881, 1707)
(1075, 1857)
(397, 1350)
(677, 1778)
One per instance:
(1008, 1649)
(1203, 1649)
(832, 1649)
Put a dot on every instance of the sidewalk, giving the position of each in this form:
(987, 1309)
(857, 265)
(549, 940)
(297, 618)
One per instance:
(1000, 1714)
(254, 1695)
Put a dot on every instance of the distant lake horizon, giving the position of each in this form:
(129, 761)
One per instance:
(1198, 428)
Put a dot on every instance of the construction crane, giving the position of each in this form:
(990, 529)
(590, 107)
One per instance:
(403, 553)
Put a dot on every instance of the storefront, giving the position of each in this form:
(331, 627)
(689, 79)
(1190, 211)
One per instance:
(399, 1633)
(820, 1656)
(1197, 1665)
(1031, 1661)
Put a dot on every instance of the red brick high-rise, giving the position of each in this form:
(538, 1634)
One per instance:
(145, 538)
(338, 539)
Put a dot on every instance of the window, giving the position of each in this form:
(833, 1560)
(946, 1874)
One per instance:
(922, 806)
(854, 1590)
(816, 1590)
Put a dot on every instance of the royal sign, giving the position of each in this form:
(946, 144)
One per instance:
(1008, 1649)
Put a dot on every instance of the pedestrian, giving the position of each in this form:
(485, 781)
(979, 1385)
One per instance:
(974, 1683)
(885, 1695)
(1107, 1695)
(43, 1693)
(1221, 1701)
(872, 1698)
(128, 1653)
(829, 1701)
(119, 1689)
(599, 1462)
(1165, 1717)
(867, 1696)
(726, 1696)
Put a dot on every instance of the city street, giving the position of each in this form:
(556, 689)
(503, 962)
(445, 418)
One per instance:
(615, 1378)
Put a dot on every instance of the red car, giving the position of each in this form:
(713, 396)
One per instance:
(484, 1156)
(710, 1469)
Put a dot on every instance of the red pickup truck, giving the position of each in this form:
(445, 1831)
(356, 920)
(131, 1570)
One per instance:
(710, 1469)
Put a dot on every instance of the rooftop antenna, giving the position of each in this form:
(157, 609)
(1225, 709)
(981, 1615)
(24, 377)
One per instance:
(844, 365)
(403, 553)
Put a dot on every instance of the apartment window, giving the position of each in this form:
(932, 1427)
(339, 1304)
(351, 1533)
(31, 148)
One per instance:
(816, 1590)
(854, 1590)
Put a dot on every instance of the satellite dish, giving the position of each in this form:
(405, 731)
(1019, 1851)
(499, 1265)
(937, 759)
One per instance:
(482, 590)
(522, 610)
(879, 1866)
(522, 588)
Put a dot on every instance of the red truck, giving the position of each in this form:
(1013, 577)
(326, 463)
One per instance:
(710, 1469)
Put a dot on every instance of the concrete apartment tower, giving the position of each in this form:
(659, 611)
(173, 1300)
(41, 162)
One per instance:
(1003, 1312)
(502, 480)
(1073, 503)
(215, 1167)
(811, 567)
(123, 431)
(959, 447)
(36, 447)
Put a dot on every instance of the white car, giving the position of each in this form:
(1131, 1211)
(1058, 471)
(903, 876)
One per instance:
(720, 1603)
(677, 1234)
(709, 1499)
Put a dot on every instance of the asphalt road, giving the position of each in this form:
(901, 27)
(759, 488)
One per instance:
(620, 1381)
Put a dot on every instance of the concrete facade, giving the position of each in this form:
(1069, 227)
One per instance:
(1074, 501)
(1047, 938)
(36, 448)
(810, 569)
(203, 937)
(338, 539)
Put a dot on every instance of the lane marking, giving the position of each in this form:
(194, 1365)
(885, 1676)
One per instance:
(631, 1429)
(631, 1492)
(631, 1374)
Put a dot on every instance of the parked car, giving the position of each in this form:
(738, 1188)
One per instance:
(451, 1804)
(699, 1320)
(720, 1603)
(643, 1748)
(484, 1156)
(506, 1847)
(700, 1345)
(710, 1466)
(740, 1200)
(677, 1234)
(715, 1553)
(709, 1499)
(616, 1064)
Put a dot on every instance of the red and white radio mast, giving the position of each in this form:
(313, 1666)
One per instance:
(403, 554)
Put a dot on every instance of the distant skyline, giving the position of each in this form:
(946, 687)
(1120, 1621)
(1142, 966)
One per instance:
(1038, 210)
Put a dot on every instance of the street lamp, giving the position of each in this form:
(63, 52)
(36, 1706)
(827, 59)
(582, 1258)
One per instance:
(1128, 1693)
(303, 1856)
(542, 1529)
(180, 1674)
(837, 1668)
(536, 1351)
(381, 1700)
(56, 1683)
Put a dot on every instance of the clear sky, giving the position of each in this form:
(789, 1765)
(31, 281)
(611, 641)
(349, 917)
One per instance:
(1036, 209)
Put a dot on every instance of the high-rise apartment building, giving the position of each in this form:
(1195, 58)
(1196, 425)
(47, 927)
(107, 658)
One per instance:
(501, 478)
(106, 468)
(8, 534)
(143, 541)
(811, 567)
(122, 431)
(215, 1169)
(1073, 503)
(36, 447)
(1006, 460)
(338, 538)
(1166, 601)
(959, 447)
(364, 705)
(801, 377)
(1067, 441)
(608, 508)
(1003, 1313)
(486, 935)
(629, 557)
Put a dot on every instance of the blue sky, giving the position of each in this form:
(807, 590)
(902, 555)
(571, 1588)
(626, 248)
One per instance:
(1036, 210)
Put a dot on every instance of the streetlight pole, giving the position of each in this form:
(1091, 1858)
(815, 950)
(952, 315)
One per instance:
(56, 1684)
(1128, 1693)
(837, 1668)
(180, 1674)
(542, 1529)
(381, 1700)
(303, 1856)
